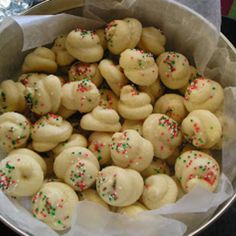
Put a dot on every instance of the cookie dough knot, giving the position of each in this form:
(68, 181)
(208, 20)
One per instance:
(194, 168)
(63, 58)
(113, 75)
(90, 71)
(172, 105)
(119, 187)
(130, 150)
(159, 190)
(101, 119)
(174, 69)
(80, 95)
(202, 128)
(12, 96)
(14, 131)
(164, 133)
(134, 105)
(49, 131)
(204, 94)
(152, 40)
(77, 166)
(139, 66)
(45, 95)
(122, 34)
(54, 204)
(22, 173)
(40, 60)
(84, 45)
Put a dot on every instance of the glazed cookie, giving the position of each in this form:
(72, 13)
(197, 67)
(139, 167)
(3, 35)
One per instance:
(75, 140)
(133, 124)
(80, 71)
(157, 166)
(113, 75)
(40, 60)
(154, 90)
(28, 80)
(108, 99)
(84, 45)
(122, 34)
(130, 150)
(14, 131)
(101, 119)
(92, 196)
(100, 143)
(119, 187)
(77, 166)
(139, 66)
(49, 131)
(45, 95)
(54, 204)
(204, 94)
(63, 58)
(80, 95)
(172, 105)
(159, 190)
(12, 96)
(134, 105)
(202, 129)
(132, 210)
(101, 34)
(163, 132)
(174, 69)
(194, 168)
(32, 154)
(21, 173)
(152, 40)
(64, 112)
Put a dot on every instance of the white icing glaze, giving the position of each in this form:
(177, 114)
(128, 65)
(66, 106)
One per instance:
(84, 45)
(174, 69)
(139, 66)
(80, 95)
(194, 168)
(77, 166)
(202, 129)
(130, 150)
(163, 132)
(49, 131)
(119, 187)
(90, 71)
(54, 204)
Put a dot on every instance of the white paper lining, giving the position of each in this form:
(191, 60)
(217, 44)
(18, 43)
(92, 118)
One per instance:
(186, 33)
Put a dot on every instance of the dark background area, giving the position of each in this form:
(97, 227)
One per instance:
(226, 225)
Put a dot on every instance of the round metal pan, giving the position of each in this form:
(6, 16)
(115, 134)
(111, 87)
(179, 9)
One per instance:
(58, 6)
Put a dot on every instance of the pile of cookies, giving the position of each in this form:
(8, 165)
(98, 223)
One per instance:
(111, 117)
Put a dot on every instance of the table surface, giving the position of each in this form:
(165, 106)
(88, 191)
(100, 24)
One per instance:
(226, 224)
